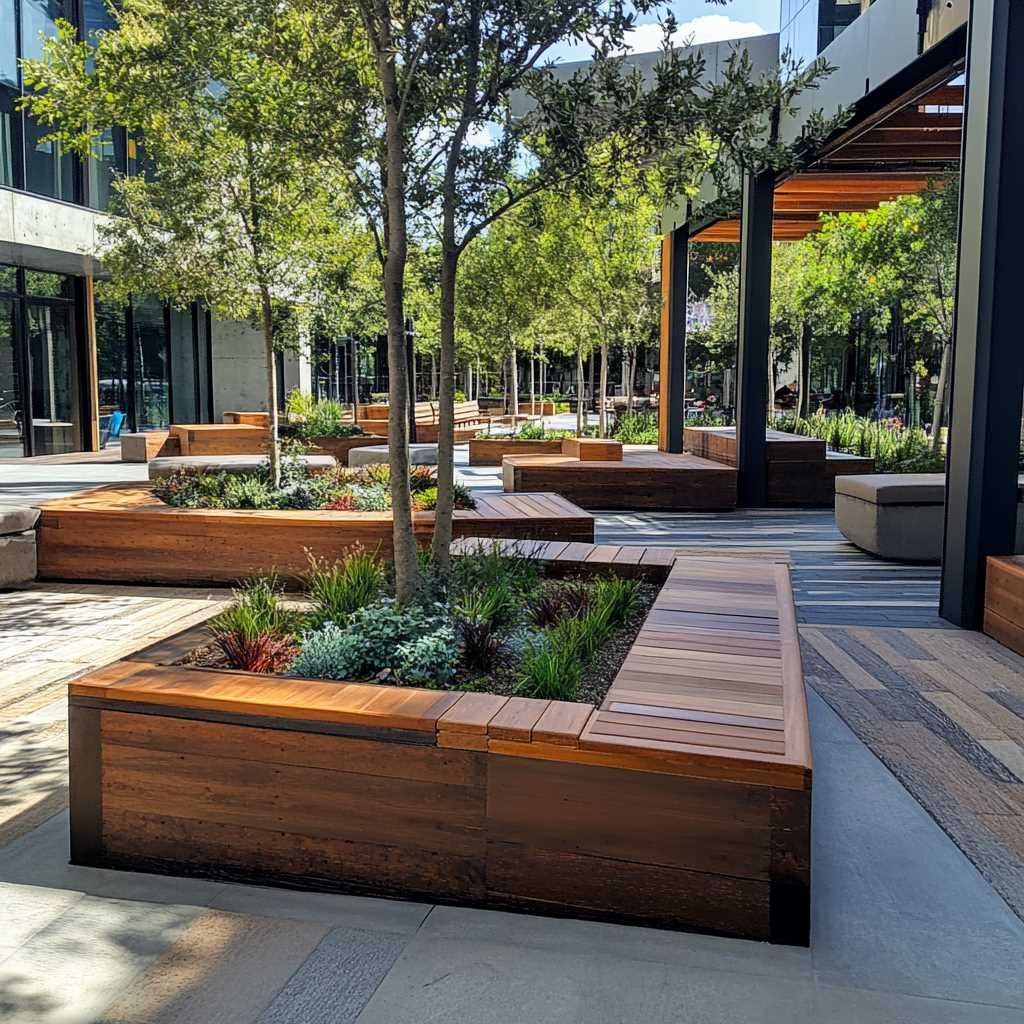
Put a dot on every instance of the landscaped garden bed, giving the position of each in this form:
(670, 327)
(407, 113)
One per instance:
(487, 449)
(683, 800)
(195, 527)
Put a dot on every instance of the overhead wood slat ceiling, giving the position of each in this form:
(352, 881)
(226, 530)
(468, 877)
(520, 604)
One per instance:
(899, 156)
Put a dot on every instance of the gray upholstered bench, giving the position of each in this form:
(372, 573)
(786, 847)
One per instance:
(17, 545)
(419, 455)
(898, 516)
(164, 466)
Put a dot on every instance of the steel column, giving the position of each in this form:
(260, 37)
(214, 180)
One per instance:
(675, 262)
(752, 337)
(988, 357)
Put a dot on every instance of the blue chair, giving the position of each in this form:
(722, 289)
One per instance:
(111, 429)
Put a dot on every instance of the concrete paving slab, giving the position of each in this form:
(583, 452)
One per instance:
(68, 971)
(335, 982)
(223, 968)
(26, 909)
(359, 912)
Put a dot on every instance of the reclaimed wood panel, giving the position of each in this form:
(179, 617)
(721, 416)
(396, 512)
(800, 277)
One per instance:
(685, 803)
(489, 451)
(589, 449)
(643, 479)
(1004, 601)
(221, 438)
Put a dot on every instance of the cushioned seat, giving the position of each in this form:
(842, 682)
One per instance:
(17, 545)
(419, 455)
(17, 519)
(228, 464)
(897, 516)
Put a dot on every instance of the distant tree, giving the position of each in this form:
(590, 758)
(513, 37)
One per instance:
(232, 212)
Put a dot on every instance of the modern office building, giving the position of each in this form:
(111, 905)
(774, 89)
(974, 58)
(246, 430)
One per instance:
(67, 359)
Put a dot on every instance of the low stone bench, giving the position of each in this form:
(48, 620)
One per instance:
(17, 545)
(419, 455)
(163, 467)
(898, 516)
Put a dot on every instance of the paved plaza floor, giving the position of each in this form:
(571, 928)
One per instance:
(909, 849)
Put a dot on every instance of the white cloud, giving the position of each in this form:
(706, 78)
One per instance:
(708, 28)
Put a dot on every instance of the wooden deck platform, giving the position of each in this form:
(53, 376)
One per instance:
(644, 479)
(122, 533)
(801, 471)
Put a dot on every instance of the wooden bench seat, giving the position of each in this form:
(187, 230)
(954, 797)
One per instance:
(469, 420)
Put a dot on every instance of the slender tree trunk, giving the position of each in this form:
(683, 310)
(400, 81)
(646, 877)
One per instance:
(581, 407)
(771, 389)
(630, 355)
(533, 385)
(399, 385)
(602, 393)
(433, 377)
(513, 385)
(469, 381)
(440, 547)
(806, 338)
(939, 416)
(267, 323)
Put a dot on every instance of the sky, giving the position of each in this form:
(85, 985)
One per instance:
(703, 21)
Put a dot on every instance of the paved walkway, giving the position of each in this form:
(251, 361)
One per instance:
(905, 928)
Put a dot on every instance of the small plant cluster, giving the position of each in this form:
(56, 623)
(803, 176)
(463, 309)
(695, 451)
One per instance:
(576, 621)
(309, 418)
(498, 614)
(636, 428)
(365, 489)
(894, 447)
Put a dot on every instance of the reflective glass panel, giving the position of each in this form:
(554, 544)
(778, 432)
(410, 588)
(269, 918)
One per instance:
(149, 341)
(55, 416)
(112, 358)
(183, 367)
(11, 416)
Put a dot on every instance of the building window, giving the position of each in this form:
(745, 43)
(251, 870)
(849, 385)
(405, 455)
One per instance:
(40, 407)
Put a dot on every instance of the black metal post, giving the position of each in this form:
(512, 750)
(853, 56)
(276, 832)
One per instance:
(410, 357)
(752, 338)
(672, 372)
(988, 358)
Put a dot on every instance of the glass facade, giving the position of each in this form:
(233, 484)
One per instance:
(40, 405)
(28, 160)
(806, 27)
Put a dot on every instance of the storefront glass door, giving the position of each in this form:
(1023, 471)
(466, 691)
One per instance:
(12, 441)
(56, 423)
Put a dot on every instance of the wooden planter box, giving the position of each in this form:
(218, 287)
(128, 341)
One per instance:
(339, 447)
(487, 451)
(122, 533)
(694, 813)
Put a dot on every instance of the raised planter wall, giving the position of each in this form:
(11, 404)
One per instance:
(122, 533)
(549, 806)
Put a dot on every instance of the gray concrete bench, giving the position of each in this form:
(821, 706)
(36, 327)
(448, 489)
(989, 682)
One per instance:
(17, 545)
(898, 516)
(419, 455)
(165, 466)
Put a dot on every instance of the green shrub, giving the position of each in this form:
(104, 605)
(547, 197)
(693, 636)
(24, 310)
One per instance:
(557, 601)
(496, 604)
(372, 498)
(381, 638)
(636, 428)
(550, 673)
(491, 566)
(318, 417)
(340, 589)
(620, 596)
(255, 633)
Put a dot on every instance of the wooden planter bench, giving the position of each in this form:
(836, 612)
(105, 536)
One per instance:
(640, 478)
(684, 801)
(469, 420)
(489, 451)
(122, 533)
(801, 471)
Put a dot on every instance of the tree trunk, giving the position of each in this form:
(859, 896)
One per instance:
(274, 445)
(440, 546)
(771, 389)
(630, 356)
(533, 385)
(469, 381)
(399, 385)
(806, 338)
(602, 393)
(581, 406)
(513, 383)
(939, 416)
(433, 377)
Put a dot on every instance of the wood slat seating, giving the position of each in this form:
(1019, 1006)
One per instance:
(469, 420)
(691, 810)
